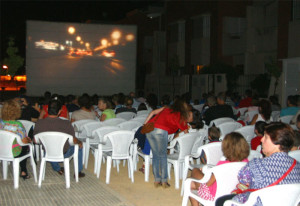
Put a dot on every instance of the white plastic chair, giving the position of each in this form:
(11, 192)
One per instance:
(221, 120)
(286, 119)
(198, 107)
(140, 119)
(86, 135)
(213, 152)
(78, 127)
(28, 125)
(113, 121)
(142, 113)
(126, 115)
(295, 154)
(254, 154)
(249, 115)
(6, 155)
(121, 142)
(186, 143)
(275, 115)
(247, 132)
(242, 111)
(129, 125)
(228, 127)
(53, 143)
(287, 194)
(102, 145)
(226, 177)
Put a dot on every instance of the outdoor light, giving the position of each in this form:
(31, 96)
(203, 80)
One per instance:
(71, 30)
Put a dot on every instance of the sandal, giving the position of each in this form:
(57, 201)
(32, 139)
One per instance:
(157, 184)
(166, 185)
(61, 171)
(25, 176)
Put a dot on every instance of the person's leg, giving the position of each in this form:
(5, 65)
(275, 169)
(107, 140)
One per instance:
(221, 200)
(23, 167)
(163, 155)
(71, 152)
(154, 141)
(196, 174)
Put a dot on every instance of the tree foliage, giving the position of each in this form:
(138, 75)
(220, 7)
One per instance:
(13, 61)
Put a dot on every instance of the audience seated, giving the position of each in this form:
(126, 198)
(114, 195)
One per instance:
(64, 111)
(296, 145)
(86, 110)
(118, 100)
(291, 108)
(142, 107)
(210, 102)
(275, 104)
(29, 112)
(264, 112)
(54, 124)
(277, 141)
(11, 111)
(105, 105)
(128, 106)
(235, 148)
(247, 101)
(259, 130)
(214, 134)
(72, 103)
(219, 110)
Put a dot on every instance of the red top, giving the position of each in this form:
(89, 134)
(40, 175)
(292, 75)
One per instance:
(255, 142)
(168, 121)
(64, 111)
(247, 102)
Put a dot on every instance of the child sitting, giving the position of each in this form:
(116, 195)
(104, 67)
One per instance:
(213, 136)
(259, 130)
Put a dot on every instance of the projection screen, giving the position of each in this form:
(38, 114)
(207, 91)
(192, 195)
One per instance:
(73, 58)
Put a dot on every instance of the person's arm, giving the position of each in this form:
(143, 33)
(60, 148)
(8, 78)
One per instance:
(254, 119)
(77, 141)
(103, 117)
(154, 112)
(42, 114)
(211, 180)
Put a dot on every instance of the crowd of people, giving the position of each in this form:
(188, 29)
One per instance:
(170, 116)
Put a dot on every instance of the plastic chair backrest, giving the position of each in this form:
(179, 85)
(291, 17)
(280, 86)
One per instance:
(53, 143)
(89, 127)
(254, 154)
(286, 119)
(186, 143)
(221, 120)
(113, 121)
(121, 141)
(6, 142)
(247, 132)
(129, 125)
(226, 177)
(142, 113)
(295, 154)
(198, 107)
(228, 127)
(242, 111)
(275, 115)
(102, 131)
(27, 125)
(140, 119)
(78, 124)
(202, 133)
(249, 115)
(286, 194)
(126, 115)
(213, 152)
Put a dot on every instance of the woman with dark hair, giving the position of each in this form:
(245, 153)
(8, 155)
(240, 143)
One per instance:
(11, 111)
(167, 121)
(235, 148)
(260, 173)
(64, 111)
(264, 112)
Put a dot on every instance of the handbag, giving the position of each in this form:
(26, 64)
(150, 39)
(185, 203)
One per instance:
(147, 128)
(241, 188)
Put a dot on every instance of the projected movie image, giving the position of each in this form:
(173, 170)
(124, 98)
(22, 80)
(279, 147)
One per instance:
(75, 58)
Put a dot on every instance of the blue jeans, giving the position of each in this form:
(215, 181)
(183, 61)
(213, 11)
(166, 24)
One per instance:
(158, 140)
(70, 151)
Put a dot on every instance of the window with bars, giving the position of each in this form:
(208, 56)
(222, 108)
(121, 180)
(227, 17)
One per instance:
(201, 27)
(296, 9)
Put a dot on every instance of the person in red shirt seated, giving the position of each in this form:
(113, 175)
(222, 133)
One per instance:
(259, 130)
(246, 102)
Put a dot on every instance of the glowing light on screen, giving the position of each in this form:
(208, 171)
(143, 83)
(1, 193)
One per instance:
(129, 37)
(71, 30)
(108, 53)
(62, 47)
(116, 35)
(81, 42)
(115, 42)
(78, 38)
(47, 45)
(104, 42)
(87, 44)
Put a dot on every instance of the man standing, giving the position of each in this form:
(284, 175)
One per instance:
(53, 123)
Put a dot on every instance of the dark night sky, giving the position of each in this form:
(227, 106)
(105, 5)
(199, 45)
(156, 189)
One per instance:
(15, 13)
